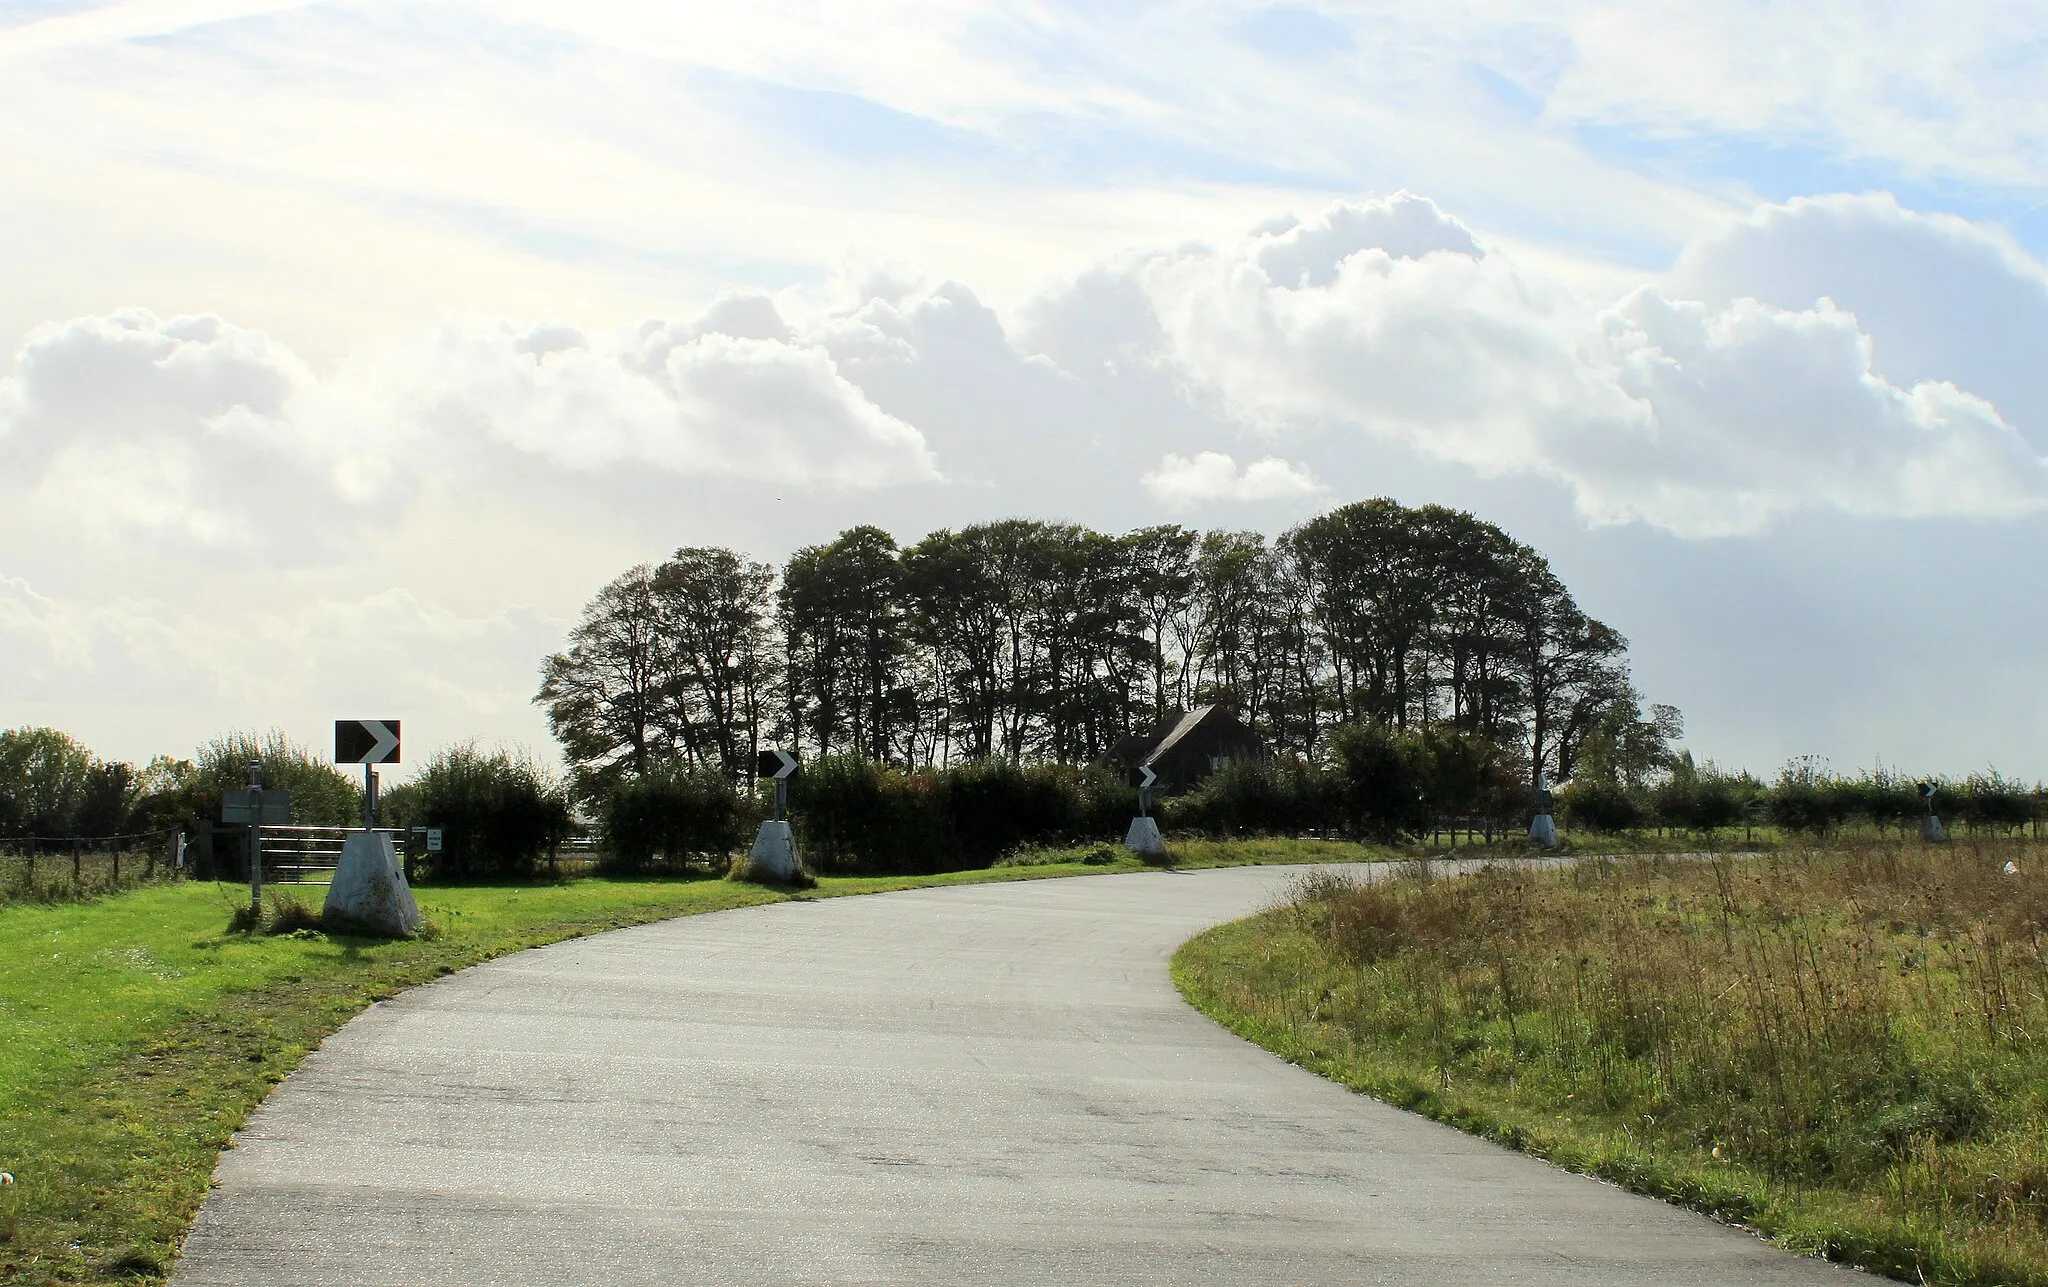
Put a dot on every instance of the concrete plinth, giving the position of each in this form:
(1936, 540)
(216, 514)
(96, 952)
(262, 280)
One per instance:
(1543, 831)
(370, 894)
(1930, 829)
(1143, 838)
(773, 860)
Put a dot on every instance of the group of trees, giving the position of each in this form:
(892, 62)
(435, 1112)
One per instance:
(52, 786)
(1032, 641)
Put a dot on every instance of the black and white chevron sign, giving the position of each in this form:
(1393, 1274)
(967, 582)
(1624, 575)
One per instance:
(366, 741)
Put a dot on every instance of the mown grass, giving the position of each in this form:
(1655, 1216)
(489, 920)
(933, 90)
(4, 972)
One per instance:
(1847, 1051)
(136, 1032)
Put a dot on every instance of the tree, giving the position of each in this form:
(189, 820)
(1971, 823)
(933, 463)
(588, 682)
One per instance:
(1162, 566)
(45, 779)
(606, 696)
(716, 659)
(841, 612)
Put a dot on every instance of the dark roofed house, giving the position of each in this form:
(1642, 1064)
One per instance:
(1188, 748)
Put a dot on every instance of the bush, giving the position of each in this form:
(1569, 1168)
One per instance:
(1806, 798)
(1705, 800)
(498, 812)
(1596, 805)
(854, 814)
(1384, 781)
(1259, 798)
(674, 813)
(188, 792)
(1991, 801)
(51, 785)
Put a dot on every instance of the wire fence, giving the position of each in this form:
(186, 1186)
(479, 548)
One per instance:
(64, 868)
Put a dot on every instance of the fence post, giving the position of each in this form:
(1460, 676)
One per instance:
(77, 861)
(204, 858)
(116, 851)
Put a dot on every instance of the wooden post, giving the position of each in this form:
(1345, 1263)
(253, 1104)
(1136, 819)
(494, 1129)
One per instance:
(77, 860)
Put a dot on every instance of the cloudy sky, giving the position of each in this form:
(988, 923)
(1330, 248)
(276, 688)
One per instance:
(347, 347)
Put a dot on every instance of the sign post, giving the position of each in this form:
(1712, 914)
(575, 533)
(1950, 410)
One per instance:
(1930, 824)
(371, 892)
(1143, 838)
(256, 806)
(777, 766)
(1543, 827)
(366, 742)
(773, 859)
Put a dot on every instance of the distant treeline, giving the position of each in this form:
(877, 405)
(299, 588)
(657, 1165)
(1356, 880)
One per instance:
(501, 812)
(1030, 641)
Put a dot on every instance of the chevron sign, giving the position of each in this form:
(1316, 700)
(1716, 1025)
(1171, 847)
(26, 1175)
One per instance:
(366, 741)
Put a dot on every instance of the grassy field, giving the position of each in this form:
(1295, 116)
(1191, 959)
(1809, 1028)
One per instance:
(136, 1033)
(1845, 1050)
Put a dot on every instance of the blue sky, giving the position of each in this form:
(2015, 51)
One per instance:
(350, 345)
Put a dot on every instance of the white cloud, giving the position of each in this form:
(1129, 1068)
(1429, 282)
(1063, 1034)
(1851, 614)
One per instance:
(191, 434)
(1706, 419)
(689, 399)
(1404, 226)
(1185, 482)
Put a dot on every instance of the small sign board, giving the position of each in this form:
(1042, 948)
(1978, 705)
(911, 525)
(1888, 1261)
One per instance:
(433, 840)
(240, 806)
(1144, 777)
(775, 765)
(366, 741)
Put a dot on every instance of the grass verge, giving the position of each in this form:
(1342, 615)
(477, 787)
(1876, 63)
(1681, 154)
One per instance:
(136, 1033)
(1845, 1051)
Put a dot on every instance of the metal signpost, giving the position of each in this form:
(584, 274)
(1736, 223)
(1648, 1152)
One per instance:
(777, 766)
(1143, 838)
(256, 807)
(366, 742)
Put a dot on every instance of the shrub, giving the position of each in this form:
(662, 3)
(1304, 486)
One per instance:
(1805, 799)
(1384, 781)
(188, 792)
(674, 813)
(498, 812)
(853, 813)
(1994, 802)
(1596, 805)
(1260, 798)
(51, 785)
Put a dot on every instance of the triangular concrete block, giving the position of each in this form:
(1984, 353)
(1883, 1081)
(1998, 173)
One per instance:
(1144, 839)
(774, 859)
(370, 894)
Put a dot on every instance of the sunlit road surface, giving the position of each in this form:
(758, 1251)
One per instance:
(980, 1084)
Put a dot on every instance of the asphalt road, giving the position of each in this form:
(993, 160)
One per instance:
(983, 1084)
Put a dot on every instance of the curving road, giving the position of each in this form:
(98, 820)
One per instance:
(982, 1084)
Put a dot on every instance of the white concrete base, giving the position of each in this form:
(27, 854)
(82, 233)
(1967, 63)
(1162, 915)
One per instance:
(370, 894)
(773, 860)
(1543, 831)
(1144, 838)
(1930, 829)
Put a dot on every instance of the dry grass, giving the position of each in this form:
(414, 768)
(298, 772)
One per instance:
(1848, 1049)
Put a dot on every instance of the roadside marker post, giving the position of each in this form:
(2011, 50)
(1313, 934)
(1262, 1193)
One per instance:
(1930, 822)
(774, 858)
(256, 806)
(1143, 838)
(366, 742)
(1543, 828)
(778, 766)
(371, 891)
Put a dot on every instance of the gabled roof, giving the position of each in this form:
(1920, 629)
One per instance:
(1188, 723)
